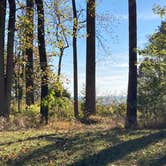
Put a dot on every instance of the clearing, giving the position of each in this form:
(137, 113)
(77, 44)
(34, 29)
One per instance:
(72, 143)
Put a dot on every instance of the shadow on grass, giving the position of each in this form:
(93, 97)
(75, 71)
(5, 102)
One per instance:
(83, 141)
(159, 161)
(117, 152)
(27, 139)
(53, 137)
(64, 143)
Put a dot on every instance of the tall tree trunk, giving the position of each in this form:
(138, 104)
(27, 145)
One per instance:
(43, 59)
(19, 86)
(90, 103)
(131, 118)
(29, 54)
(2, 43)
(10, 52)
(60, 63)
(75, 28)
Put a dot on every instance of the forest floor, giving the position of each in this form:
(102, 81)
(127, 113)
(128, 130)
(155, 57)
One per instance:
(72, 143)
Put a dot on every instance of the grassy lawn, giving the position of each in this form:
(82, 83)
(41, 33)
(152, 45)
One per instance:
(86, 145)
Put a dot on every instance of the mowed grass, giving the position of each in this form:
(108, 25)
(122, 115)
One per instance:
(72, 144)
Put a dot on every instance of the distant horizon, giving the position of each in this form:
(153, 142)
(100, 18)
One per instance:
(109, 96)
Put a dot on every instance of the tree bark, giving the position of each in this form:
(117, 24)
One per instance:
(29, 54)
(75, 28)
(60, 63)
(43, 60)
(10, 61)
(90, 103)
(2, 43)
(131, 117)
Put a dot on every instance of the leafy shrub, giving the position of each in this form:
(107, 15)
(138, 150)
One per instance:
(61, 108)
(114, 107)
(59, 102)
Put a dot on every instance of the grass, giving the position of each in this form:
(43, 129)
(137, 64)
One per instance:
(72, 144)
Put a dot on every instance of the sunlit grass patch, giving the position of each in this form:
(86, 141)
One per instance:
(97, 144)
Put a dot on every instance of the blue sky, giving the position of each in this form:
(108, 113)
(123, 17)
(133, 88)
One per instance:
(112, 66)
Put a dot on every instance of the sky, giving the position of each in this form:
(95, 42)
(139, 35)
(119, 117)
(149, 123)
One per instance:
(112, 65)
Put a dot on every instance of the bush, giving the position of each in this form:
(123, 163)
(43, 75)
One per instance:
(61, 108)
(114, 107)
(59, 102)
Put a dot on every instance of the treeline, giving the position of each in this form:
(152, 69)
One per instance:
(37, 26)
(23, 32)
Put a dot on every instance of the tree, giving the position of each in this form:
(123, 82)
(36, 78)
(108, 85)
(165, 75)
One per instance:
(29, 53)
(61, 16)
(75, 28)
(10, 55)
(90, 101)
(2, 43)
(43, 60)
(152, 79)
(131, 117)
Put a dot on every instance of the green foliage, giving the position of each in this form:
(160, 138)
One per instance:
(59, 29)
(152, 79)
(59, 103)
(103, 110)
(161, 11)
(27, 117)
(115, 108)
(32, 110)
(82, 101)
(62, 108)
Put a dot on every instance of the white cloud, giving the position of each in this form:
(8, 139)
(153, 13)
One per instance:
(111, 76)
(107, 85)
(115, 83)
